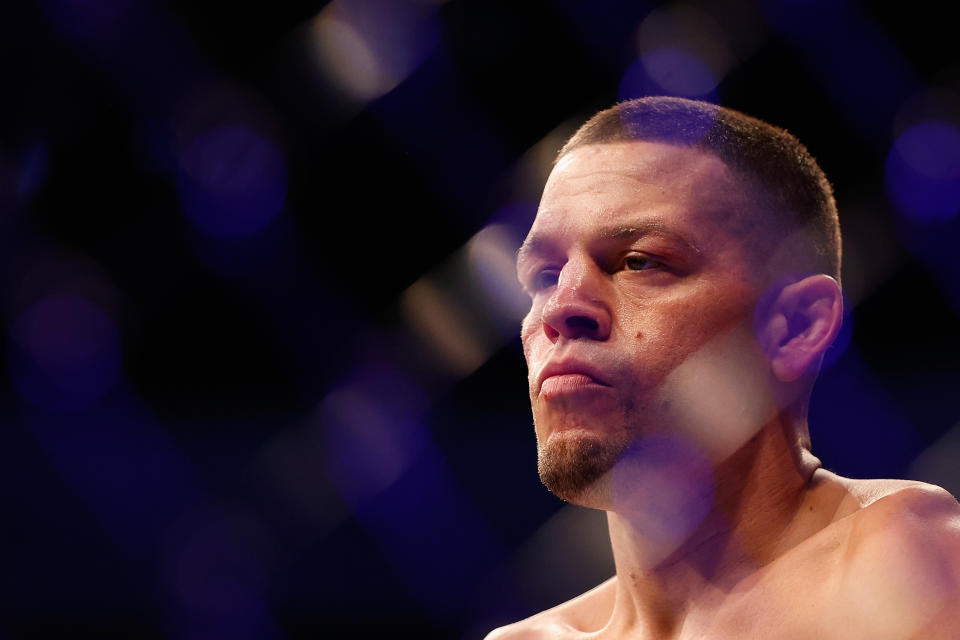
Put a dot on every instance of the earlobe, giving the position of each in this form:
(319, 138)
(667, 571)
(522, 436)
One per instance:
(799, 323)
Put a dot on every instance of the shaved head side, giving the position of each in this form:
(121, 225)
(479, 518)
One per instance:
(794, 208)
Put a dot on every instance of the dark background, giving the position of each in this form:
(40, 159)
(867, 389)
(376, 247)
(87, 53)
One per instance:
(262, 377)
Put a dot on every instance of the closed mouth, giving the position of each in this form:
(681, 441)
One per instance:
(570, 376)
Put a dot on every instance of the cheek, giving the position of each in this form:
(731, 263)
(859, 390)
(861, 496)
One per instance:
(718, 396)
(528, 333)
(529, 328)
(526, 326)
(665, 332)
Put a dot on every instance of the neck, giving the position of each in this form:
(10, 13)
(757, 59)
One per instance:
(722, 525)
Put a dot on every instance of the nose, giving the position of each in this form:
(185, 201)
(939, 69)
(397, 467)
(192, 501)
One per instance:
(576, 308)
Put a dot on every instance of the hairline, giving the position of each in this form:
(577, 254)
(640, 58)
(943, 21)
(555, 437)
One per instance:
(791, 192)
(766, 209)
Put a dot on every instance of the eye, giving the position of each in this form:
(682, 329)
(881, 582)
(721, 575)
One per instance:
(638, 262)
(544, 279)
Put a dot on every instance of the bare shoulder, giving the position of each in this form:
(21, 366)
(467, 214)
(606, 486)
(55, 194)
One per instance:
(583, 614)
(904, 517)
(895, 491)
(901, 560)
(904, 508)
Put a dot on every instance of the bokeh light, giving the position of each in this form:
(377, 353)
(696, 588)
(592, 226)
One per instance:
(372, 431)
(348, 58)
(720, 396)
(493, 253)
(923, 171)
(233, 430)
(438, 319)
(682, 52)
(691, 28)
(65, 353)
(673, 72)
(232, 181)
(531, 173)
(681, 73)
(841, 45)
(576, 534)
(461, 326)
(367, 48)
(664, 485)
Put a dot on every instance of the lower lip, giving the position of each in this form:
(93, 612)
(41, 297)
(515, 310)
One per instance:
(569, 384)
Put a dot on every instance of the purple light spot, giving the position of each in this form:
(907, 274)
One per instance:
(923, 171)
(372, 431)
(516, 216)
(493, 254)
(232, 181)
(664, 485)
(671, 72)
(65, 354)
(844, 337)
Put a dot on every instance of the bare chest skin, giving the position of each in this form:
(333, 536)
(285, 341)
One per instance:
(817, 590)
(791, 598)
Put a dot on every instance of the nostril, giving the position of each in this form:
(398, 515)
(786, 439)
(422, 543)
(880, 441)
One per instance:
(582, 323)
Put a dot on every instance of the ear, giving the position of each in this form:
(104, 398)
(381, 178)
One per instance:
(800, 322)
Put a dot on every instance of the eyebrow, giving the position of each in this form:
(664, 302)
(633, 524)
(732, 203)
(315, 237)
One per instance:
(537, 244)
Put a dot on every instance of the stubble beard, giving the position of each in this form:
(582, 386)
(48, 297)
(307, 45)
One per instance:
(575, 466)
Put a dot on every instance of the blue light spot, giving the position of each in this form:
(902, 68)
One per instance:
(232, 181)
(65, 354)
(923, 171)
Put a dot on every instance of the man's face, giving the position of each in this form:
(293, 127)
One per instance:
(632, 271)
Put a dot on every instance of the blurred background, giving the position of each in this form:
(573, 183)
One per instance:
(262, 377)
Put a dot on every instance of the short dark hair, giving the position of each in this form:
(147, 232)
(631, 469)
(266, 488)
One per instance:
(767, 157)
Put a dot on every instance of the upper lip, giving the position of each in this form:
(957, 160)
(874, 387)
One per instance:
(568, 367)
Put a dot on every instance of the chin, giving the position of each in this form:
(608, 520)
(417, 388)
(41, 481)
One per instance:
(574, 464)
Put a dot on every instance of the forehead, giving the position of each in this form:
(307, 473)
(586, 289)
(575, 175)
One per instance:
(641, 182)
